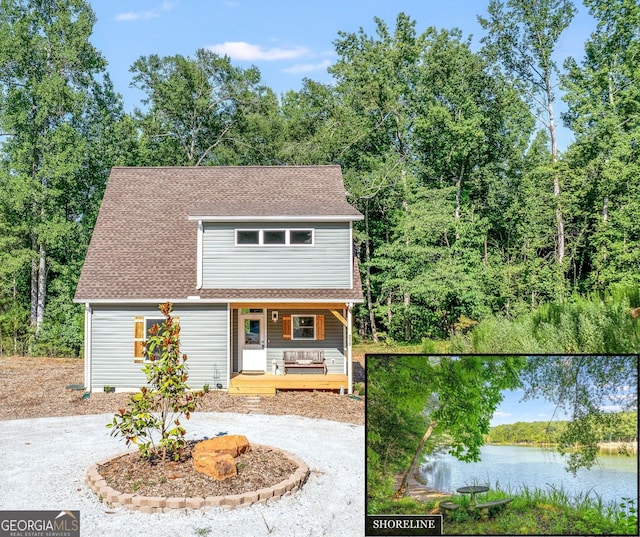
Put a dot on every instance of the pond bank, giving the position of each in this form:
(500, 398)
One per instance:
(418, 489)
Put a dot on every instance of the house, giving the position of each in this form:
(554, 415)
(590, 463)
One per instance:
(258, 264)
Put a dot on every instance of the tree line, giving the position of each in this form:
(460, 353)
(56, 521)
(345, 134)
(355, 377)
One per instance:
(623, 429)
(471, 210)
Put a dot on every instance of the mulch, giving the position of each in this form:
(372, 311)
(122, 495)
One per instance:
(34, 387)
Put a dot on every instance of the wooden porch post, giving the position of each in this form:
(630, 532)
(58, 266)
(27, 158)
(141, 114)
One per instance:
(349, 349)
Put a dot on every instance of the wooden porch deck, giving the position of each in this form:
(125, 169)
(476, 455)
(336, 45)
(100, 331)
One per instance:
(267, 383)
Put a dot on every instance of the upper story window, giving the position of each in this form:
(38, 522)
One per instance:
(301, 236)
(274, 237)
(247, 236)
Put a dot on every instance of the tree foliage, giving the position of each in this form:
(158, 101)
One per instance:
(193, 106)
(442, 395)
(623, 429)
(581, 386)
(57, 112)
(473, 216)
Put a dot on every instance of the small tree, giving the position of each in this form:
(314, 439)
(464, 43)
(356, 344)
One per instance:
(152, 419)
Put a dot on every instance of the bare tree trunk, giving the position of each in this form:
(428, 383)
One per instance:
(407, 323)
(556, 176)
(34, 287)
(42, 289)
(485, 258)
(412, 468)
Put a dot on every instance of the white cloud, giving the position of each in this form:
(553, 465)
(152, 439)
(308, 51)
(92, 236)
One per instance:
(501, 414)
(240, 50)
(622, 397)
(308, 67)
(142, 15)
(611, 408)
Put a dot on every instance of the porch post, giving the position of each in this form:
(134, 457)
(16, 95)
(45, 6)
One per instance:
(349, 349)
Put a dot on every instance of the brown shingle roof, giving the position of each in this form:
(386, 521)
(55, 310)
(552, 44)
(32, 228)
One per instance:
(144, 245)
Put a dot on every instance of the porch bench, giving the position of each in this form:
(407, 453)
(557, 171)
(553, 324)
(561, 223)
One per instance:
(301, 360)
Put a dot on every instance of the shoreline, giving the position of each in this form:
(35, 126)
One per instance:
(419, 490)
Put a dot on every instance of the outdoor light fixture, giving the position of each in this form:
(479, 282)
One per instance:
(274, 316)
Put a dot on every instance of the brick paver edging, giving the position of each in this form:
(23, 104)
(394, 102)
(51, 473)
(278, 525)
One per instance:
(153, 504)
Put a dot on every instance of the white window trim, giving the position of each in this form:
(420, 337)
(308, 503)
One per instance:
(315, 325)
(247, 245)
(146, 332)
(287, 237)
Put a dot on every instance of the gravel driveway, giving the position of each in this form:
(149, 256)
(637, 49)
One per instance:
(45, 463)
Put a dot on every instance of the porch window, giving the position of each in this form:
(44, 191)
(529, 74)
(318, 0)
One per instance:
(303, 327)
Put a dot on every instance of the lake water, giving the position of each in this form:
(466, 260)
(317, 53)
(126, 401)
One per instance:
(613, 477)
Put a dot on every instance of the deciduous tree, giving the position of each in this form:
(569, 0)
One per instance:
(52, 81)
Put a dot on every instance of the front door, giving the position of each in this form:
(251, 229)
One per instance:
(252, 344)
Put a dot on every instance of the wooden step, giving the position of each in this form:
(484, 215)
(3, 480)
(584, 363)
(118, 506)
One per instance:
(252, 389)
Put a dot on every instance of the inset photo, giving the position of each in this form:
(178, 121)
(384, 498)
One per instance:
(501, 445)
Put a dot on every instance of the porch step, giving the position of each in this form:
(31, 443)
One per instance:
(252, 404)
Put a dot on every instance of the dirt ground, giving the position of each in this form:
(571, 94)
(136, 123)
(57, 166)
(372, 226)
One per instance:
(33, 387)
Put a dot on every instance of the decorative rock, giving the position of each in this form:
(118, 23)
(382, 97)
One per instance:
(234, 445)
(214, 457)
(218, 466)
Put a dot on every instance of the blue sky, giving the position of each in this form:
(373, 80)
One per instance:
(288, 40)
(512, 409)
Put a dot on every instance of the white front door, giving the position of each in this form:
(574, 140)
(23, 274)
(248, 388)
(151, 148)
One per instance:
(252, 341)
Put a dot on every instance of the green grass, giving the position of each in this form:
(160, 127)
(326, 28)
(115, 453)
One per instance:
(532, 511)
(427, 346)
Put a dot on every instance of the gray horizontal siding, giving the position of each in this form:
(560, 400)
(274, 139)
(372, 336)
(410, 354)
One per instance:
(333, 344)
(325, 265)
(203, 338)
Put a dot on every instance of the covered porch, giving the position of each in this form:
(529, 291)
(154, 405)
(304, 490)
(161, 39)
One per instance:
(264, 334)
